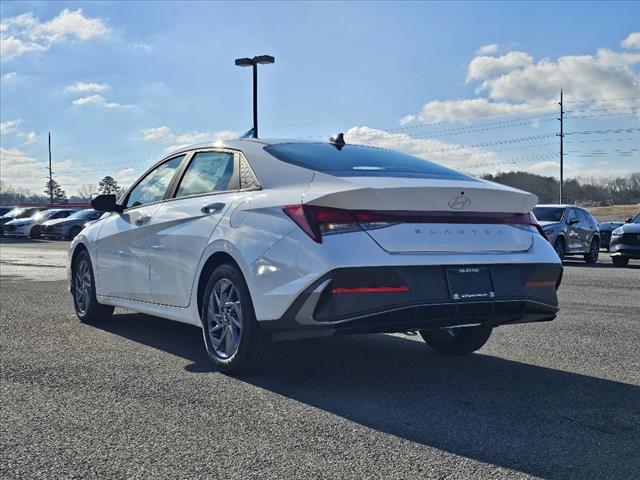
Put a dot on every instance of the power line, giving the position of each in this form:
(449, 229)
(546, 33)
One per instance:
(524, 121)
(601, 132)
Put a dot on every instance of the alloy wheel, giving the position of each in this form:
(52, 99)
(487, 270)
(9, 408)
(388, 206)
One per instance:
(224, 318)
(595, 250)
(82, 286)
(559, 248)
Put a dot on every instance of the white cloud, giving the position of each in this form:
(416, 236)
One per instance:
(158, 133)
(449, 154)
(9, 126)
(29, 137)
(165, 135)
(145, 47)
(515, 81)
(605, 75)
(487, 49)
(26, 33)
(9, 76)
(488, 67)
(632, 41)
(20, 169)
(74, 24)
(196, 137)
(454, 110)
(87, 87)
(98, 100)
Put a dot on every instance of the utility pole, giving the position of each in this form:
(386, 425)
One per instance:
(561, 135)
(50, 175)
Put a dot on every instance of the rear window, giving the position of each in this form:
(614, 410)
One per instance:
(354, 160)
(549, 214)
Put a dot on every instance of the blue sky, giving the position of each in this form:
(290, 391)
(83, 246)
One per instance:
(119, 84)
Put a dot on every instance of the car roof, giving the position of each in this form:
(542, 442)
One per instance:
(61, 209)
(557, 205)
(242, 143)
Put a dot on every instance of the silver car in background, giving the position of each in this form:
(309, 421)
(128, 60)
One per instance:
(68, 227)
(571, 230)
(31, 226)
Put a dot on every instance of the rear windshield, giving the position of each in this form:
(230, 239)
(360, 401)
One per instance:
(548, 214)
(353, 160)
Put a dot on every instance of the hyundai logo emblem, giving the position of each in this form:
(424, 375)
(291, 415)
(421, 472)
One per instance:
(459, 203)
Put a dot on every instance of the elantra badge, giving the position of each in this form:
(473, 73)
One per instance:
(459, 203)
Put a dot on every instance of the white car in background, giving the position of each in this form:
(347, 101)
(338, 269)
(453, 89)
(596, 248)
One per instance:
(256, 241)
(31, 226)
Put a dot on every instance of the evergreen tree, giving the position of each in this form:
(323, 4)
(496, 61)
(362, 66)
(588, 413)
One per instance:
(53, 187)
(109, 185)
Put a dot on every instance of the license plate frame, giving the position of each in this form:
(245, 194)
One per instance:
(470, 284)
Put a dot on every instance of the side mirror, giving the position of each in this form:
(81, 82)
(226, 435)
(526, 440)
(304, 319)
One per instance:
(106, 203)
(628, 220)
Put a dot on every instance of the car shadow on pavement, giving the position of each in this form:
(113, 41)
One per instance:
(538, 420)
(582, 264)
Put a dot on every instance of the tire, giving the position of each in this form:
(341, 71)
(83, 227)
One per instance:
(35, 232)
(83, 290)
(456, 341)
(73, 233)
(232, 336)
(594, 251)
(560, 247)
(620, 261)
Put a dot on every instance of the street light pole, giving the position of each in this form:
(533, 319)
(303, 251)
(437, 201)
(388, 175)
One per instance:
(255, 100)
(253, 62)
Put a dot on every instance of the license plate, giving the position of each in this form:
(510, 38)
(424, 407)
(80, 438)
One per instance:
(470, 283)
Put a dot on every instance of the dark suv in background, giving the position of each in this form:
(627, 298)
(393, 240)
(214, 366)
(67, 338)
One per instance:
(625, 242)
(571, 230)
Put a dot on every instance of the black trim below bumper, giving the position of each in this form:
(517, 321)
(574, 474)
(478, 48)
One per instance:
(523, 293)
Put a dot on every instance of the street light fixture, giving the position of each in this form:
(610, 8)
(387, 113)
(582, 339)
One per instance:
(253, 62)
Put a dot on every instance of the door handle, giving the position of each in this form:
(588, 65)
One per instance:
(212, 207)
(142, 220)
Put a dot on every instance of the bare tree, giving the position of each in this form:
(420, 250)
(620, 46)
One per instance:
(87, 191)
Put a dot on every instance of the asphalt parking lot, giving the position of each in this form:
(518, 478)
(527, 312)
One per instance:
(136, 398)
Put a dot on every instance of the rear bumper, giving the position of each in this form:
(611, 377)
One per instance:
(520, 293)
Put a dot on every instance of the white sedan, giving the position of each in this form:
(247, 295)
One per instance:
(31, 226)
(257, 241)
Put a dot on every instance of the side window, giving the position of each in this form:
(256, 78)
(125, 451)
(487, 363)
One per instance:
(247, 177)
(153, 187)
(207, 172)
(582, 215)
(57, 215)
(571, 215)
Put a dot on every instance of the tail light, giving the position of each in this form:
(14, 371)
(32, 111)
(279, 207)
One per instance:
(318, 221)
(533, 221)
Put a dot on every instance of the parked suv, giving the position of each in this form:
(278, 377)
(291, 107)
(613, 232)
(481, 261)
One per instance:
(571, 230)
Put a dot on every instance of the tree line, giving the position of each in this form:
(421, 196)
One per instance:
(583, 191)
(10, 195)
